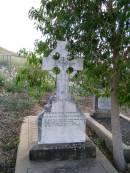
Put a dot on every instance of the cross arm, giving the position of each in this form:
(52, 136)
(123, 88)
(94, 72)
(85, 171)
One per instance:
(77, 64)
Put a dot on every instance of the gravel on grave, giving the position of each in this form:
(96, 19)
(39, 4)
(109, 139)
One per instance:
(125, 127)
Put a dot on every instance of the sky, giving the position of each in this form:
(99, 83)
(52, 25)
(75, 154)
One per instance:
(16, 29)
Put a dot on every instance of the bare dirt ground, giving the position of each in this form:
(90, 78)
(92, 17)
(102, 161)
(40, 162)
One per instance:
(125, 128)
(13, 108)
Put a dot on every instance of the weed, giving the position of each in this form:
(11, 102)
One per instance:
(13, 143)
(100, 142)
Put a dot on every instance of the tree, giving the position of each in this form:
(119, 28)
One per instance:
(23, 52)
(96, 31)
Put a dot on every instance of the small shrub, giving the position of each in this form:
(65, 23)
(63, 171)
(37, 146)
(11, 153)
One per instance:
(7, 147)
(13, 86)
(13, 143)
(15, 103)
(35, 80)
(2, 80)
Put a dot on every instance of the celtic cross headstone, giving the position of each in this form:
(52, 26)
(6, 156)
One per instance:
(62, 62)
(61, 127)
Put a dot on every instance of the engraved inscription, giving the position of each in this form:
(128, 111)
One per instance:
(69, 119)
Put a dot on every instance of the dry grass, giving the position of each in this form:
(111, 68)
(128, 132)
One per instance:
(13, 108)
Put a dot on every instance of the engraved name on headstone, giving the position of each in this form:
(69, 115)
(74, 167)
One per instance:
(56, 119)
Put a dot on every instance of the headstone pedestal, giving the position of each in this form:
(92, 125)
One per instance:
(102, 107)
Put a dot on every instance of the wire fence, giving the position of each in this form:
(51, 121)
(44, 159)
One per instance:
(10, 60)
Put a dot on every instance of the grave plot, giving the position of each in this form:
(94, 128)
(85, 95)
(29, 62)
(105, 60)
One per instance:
(125, 127)
(102, 127)
(61, 125)
(56, 141)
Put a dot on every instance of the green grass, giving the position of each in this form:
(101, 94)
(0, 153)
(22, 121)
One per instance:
(13, 142)
(100, 142)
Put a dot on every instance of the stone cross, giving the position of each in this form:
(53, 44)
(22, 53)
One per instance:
(63, 63)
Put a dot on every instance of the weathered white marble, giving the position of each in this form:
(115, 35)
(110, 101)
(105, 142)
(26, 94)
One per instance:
(63, 64)
(64, 123)
(59, 128)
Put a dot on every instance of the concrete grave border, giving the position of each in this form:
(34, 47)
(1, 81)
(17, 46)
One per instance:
(106, 135)
(29, 136)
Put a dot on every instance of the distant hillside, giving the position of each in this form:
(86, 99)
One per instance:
(8, 57)
(4, 51)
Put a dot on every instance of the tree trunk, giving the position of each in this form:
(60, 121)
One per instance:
(118, 153)
(95, 103)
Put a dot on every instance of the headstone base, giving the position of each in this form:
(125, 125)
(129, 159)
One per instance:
(63, 151)
(28, 138)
